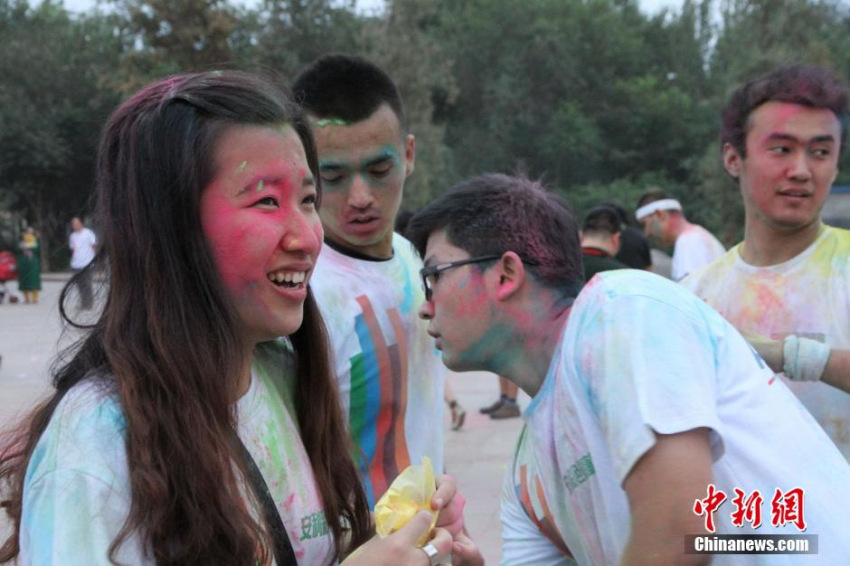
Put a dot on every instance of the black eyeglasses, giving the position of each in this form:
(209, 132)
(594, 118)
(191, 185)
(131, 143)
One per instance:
(428, 273)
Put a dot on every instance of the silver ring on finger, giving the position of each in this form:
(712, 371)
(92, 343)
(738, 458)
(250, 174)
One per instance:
(432, 553)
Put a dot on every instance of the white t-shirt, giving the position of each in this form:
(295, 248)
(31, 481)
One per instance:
(808, 295)
(82, 245)
(640, 355)
(390, 376)
(76, 492)
(694, 248)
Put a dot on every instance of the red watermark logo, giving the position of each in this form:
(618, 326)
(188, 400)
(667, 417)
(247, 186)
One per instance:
(785, 508)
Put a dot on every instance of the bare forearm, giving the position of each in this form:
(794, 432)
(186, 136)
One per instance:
(837, 372)
(661, 489)
(769, 350)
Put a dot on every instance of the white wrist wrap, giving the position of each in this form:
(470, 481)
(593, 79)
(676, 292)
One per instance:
(804, 358)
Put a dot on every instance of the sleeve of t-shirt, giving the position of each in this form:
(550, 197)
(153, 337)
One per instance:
(522, 541)
(70, 518)
(77, 490)
(649, 367)
(693, 252)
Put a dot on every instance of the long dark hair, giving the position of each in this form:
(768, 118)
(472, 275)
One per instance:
(168, 330)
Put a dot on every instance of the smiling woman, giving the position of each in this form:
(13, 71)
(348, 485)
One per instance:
(259, 215)
(182, 406)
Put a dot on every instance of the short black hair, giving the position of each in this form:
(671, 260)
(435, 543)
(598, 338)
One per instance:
(402, 219)
(347, 88)
(651, 195)
(495, 213)
(806, 85)
(602, 220)
(621, 212)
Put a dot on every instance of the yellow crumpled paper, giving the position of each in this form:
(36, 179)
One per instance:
(411, 491)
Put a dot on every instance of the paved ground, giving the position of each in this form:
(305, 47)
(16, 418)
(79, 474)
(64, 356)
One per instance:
(477, 455)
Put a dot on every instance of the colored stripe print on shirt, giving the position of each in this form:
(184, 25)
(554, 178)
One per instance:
(378, 400)
(533, 500)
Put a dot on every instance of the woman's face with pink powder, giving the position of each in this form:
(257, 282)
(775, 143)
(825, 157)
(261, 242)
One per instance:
(259, 217)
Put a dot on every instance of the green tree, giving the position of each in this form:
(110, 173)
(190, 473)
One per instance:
(580, 92)
(624, 192)
(757, 35)
(292, 33)
(169, 36)
(402, 42)
(53, 99)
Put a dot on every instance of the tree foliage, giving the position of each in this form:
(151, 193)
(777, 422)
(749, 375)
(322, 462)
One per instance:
(598, 98)
(168, 36)
(292, 33)
(402, 43)
(53, 98)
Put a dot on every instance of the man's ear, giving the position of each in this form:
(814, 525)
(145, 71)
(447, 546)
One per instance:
(732, 160)
(409, 154)
(512, 275)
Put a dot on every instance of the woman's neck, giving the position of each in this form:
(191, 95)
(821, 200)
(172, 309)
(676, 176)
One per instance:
(244, 381)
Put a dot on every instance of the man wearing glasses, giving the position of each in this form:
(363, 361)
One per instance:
(645, 403)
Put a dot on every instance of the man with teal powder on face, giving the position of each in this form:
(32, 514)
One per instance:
(645, 403)
(366, 279)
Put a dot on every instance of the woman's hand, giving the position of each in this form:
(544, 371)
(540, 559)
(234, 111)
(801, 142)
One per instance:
(399, 548)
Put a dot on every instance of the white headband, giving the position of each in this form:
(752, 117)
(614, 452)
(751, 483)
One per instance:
(663, 204)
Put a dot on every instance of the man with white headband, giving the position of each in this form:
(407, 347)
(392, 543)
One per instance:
(787, 285)
(663, 221)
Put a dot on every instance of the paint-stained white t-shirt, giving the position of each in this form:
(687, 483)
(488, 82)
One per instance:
(641, 355)
(77, 490)
(808, 295)
(390, 375)
(694, 248)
